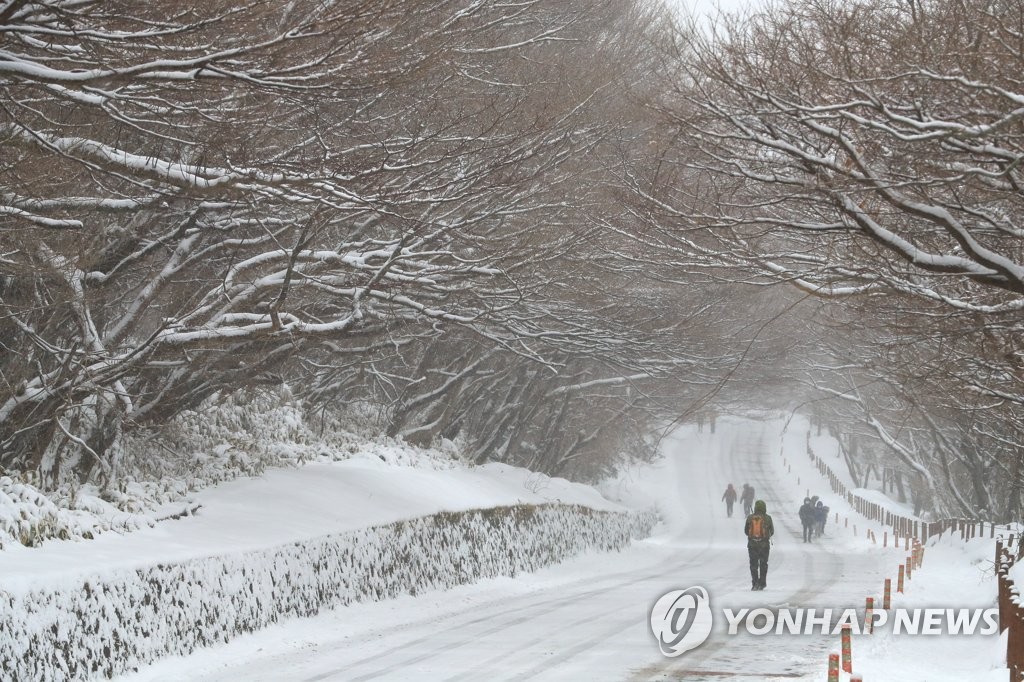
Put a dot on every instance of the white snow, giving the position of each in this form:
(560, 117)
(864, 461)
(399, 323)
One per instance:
(585, 618)
(289, 505)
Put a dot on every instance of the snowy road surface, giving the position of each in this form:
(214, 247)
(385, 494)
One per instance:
(587, 619)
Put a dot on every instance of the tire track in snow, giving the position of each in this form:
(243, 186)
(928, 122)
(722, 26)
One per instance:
(465, 634)
(817, 562)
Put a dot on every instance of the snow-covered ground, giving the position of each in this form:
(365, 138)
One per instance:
(289, 505)
(585, 618)
(588, 618)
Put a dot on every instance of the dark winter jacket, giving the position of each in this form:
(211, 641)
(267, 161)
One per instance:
(748, 494)
(806, 514)
(730, 494)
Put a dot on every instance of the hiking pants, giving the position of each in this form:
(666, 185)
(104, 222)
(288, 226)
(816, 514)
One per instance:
(728, 507)
(808, 532)
(758, 552)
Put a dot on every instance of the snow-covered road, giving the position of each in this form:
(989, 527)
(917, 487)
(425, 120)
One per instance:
(586, 619)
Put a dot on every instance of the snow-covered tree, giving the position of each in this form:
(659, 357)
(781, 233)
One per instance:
(870, 150)
(200, 198)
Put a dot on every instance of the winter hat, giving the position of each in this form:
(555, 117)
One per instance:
(759, 507)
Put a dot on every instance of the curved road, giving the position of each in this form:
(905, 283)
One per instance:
(591, 624)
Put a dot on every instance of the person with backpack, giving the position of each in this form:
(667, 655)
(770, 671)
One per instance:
(807, 519)
(820, 517)
(747, 497)
(759, 530)
(814, 515)
(730, 499)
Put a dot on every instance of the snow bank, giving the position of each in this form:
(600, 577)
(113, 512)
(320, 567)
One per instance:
(159, 470)
(110, 623)
(256, 512)
(291, 505)
(955, 574)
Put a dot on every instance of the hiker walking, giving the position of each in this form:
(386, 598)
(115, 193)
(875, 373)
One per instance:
(747, 498)
(820, 517)
(730, 499)
(759, 530)
(807, 519)
(814, 515)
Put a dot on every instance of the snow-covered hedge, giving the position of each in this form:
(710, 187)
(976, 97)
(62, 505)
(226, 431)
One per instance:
(115, 622)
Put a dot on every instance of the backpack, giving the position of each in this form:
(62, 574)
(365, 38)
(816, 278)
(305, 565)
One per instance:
(758, 528)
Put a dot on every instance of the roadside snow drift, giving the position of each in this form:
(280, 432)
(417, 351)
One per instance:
(287, 545)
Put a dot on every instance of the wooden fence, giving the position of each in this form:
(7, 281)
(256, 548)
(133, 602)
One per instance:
(904, 526)
(1009, 549)
(1011, 614)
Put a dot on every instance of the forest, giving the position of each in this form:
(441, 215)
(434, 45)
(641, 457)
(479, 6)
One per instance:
(549, 230)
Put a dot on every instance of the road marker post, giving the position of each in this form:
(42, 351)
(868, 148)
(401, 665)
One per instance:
(847, 652)
(833, 667)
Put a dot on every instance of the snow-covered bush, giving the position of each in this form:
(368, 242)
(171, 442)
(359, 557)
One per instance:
(111, 623)
(29, 517)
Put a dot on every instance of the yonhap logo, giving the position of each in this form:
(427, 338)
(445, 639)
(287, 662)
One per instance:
(681, 620)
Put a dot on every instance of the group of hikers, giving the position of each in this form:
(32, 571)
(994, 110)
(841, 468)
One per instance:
(759, 527)
(746, 497)
(813, 515)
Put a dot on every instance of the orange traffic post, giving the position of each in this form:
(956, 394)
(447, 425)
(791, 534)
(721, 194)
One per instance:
(854, 677)
(833, 668)
(847, 653)
(907, 543)
(869, 612)
(899, 580)
(885, 539)
(910, 566)
(887, 595)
